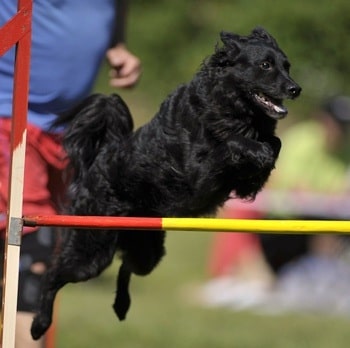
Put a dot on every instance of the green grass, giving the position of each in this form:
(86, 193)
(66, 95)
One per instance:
(162, 316)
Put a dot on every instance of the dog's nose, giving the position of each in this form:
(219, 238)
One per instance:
(294, 90)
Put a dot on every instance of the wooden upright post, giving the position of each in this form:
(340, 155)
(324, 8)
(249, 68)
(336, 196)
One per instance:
(17, 32)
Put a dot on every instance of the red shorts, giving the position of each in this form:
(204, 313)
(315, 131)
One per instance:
(43, 180)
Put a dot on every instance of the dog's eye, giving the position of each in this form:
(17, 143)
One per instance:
(265, 65)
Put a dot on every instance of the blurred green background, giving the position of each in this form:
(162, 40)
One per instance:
(172, 38)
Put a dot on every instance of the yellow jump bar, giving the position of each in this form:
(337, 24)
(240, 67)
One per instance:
(257, 226)
(191, 224)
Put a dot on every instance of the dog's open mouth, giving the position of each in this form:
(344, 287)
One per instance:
(272, 107)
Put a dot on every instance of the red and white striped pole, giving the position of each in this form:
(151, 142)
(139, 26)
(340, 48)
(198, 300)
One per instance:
(17, 31)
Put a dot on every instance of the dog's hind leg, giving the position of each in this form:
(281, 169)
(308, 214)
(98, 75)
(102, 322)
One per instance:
(142, 251)
(82, 257)
(43, 318)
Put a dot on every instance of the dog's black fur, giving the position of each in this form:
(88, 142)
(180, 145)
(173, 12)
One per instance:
(212, 137)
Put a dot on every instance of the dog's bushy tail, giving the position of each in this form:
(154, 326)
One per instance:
(98, 121)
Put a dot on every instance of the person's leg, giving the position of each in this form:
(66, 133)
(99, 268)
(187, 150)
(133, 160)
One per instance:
(35, 255)
(230, 251)
(42, 185)
(36, 246)
(36, 251)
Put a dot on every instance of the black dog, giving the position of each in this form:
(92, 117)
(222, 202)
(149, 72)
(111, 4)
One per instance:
(212, 137)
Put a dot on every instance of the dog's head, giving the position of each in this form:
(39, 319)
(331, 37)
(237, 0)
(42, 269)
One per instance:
(257, 67)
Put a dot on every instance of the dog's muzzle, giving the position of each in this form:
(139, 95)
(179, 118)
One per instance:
(271, 107)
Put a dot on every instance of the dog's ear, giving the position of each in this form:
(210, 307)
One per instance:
(232, 46)
(261, 33)
(231, 40)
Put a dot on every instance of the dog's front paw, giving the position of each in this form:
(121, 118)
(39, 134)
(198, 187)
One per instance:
(276, 145)
(39, 326)
(262, 158)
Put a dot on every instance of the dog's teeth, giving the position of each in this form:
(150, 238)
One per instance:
(279, 108)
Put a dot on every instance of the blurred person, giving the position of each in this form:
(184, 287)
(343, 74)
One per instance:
(315, 160)
(312, 273)
(313, 167)
(70, 39)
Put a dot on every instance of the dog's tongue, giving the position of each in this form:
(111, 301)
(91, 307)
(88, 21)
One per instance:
(280, 109)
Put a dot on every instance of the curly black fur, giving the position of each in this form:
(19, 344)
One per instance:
(212, 137)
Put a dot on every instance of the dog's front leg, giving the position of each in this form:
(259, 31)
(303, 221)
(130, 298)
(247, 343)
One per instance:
(252, 162)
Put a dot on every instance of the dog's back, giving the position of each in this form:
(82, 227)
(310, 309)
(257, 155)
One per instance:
(96, 129)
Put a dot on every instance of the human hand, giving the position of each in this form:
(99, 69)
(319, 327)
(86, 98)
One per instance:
(125, 67)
